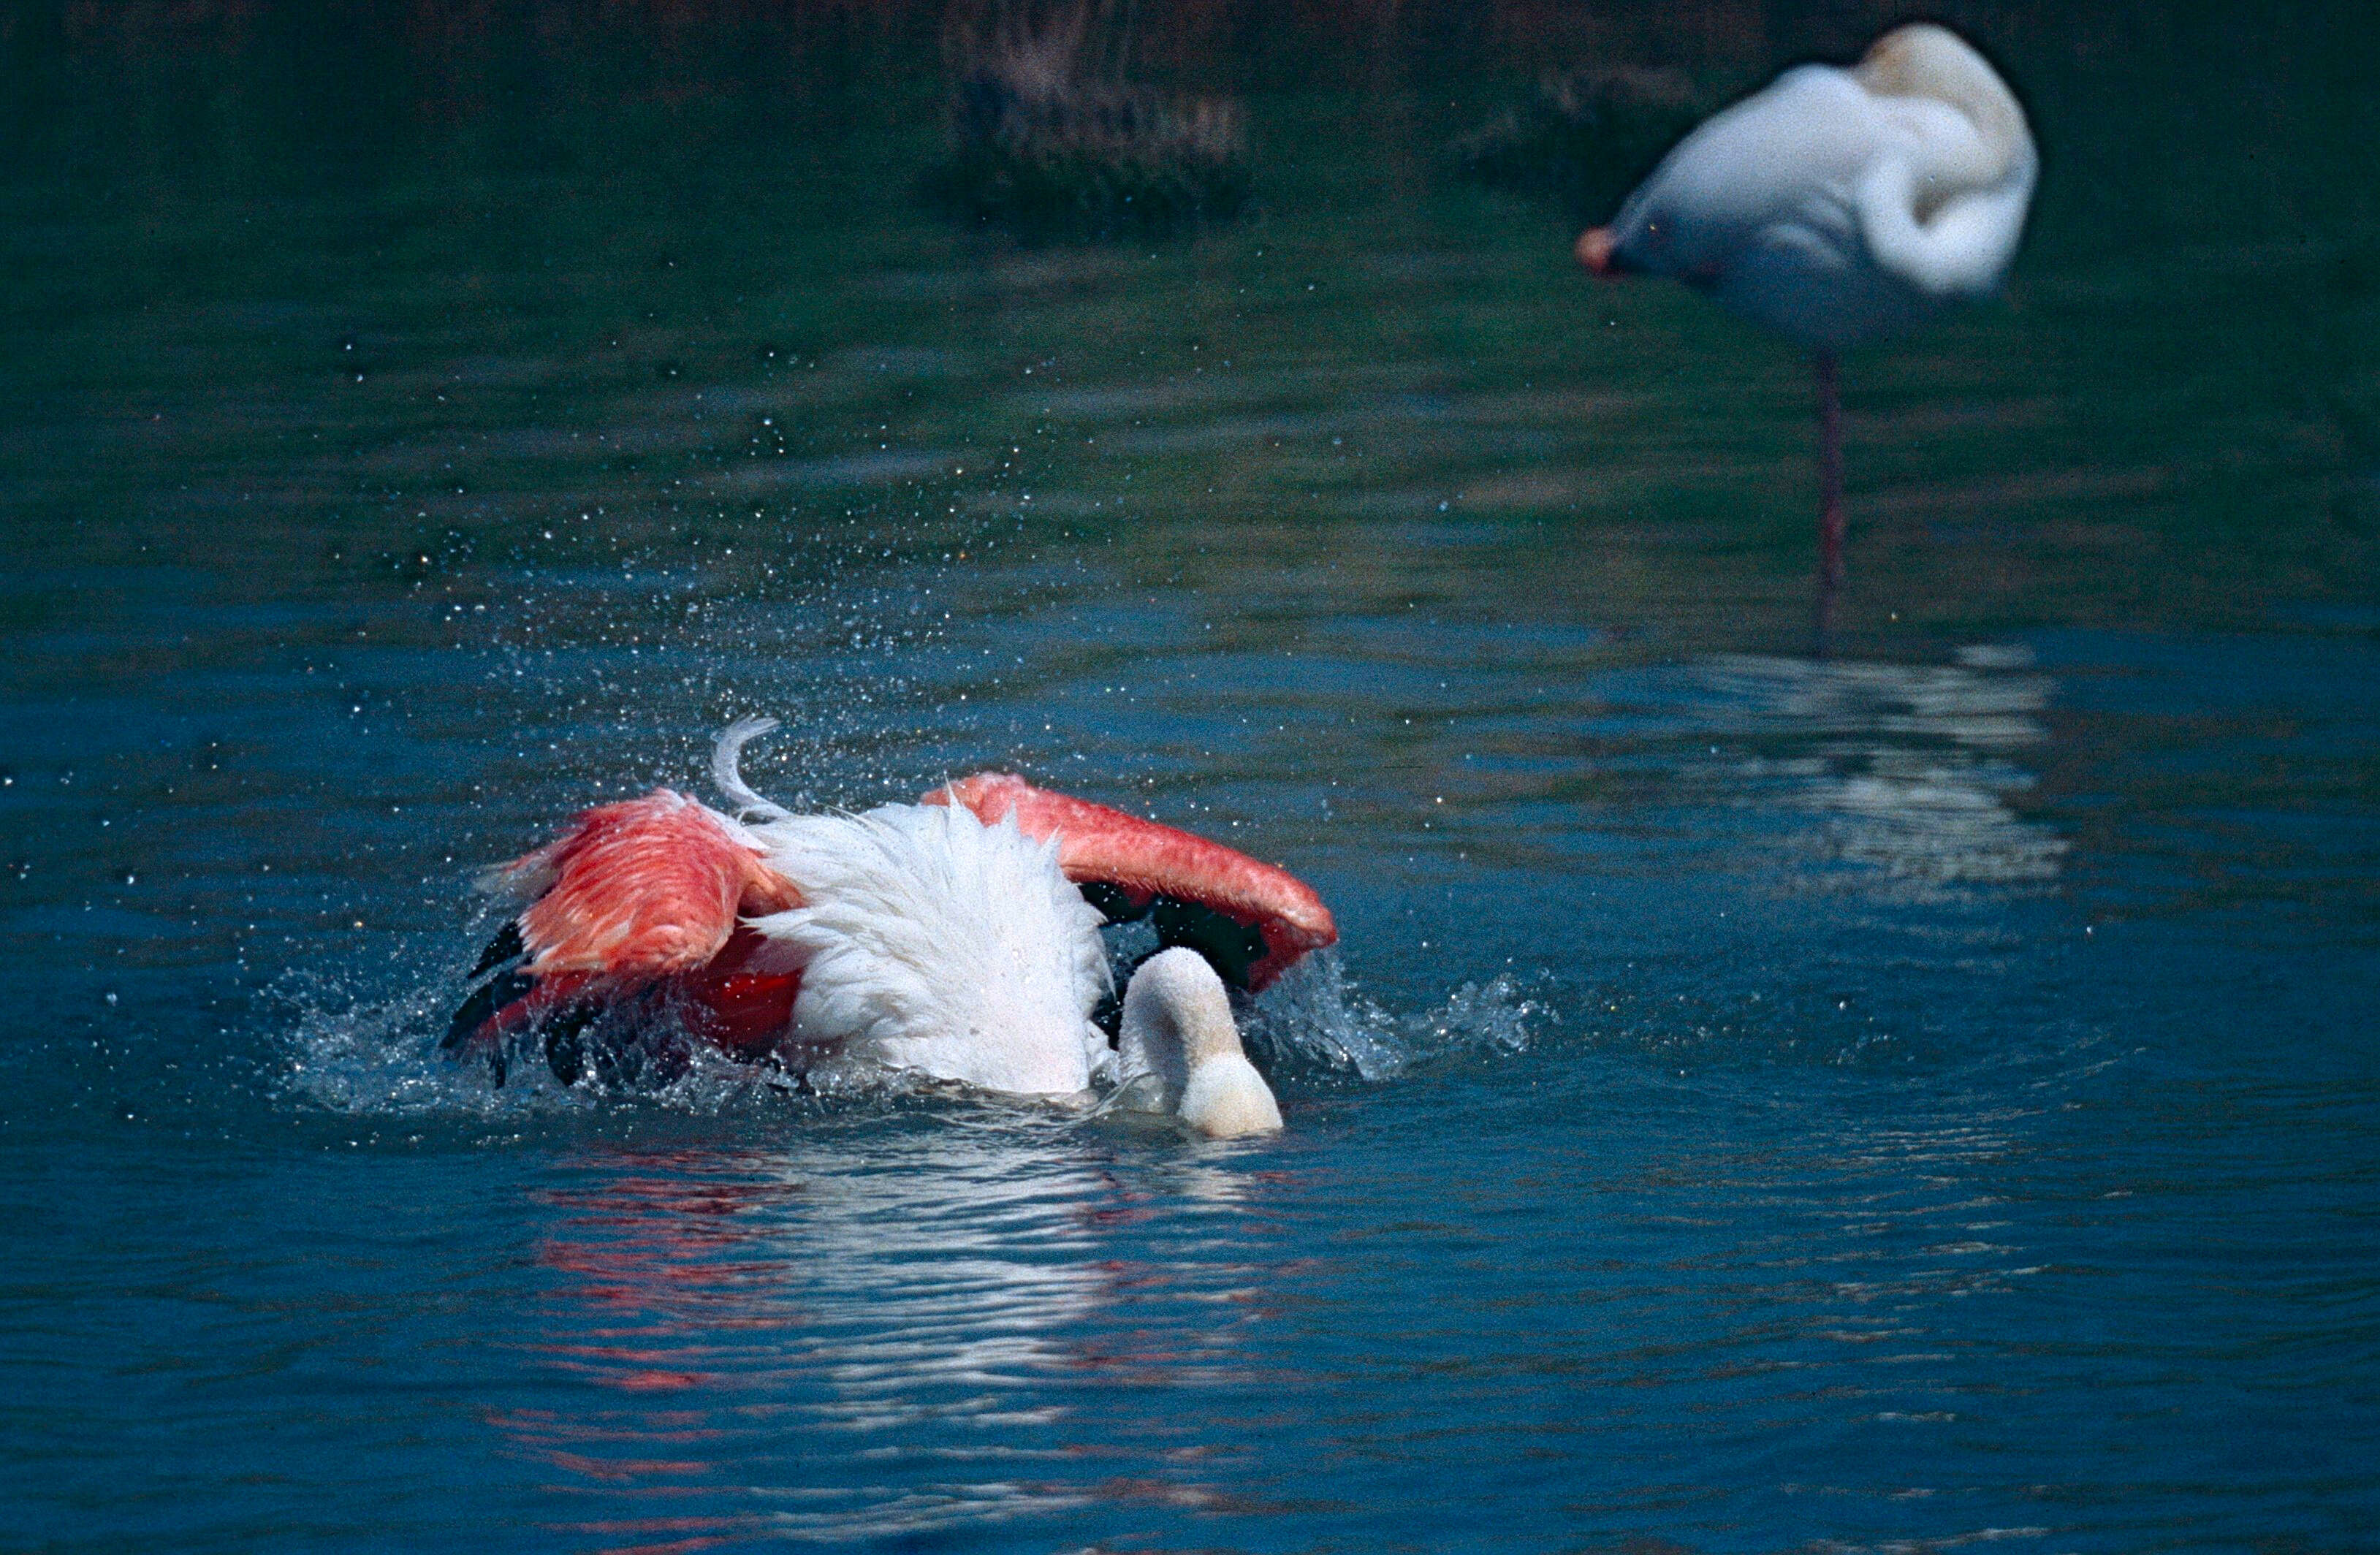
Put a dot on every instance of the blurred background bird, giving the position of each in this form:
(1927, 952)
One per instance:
(1836, 206)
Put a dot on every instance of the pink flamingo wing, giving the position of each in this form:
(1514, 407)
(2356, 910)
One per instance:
(641, 890)
(1145, 859)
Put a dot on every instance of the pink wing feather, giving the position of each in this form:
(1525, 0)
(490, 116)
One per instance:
(646, 895)
(1147, 860)
(643, 889)
(639, 895)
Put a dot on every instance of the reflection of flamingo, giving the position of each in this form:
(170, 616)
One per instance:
(907, 1315)
(1905, 768)
(1837, 205)
(952, 938)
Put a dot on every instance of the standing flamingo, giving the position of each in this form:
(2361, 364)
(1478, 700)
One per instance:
(1834, 206)
(957, 937)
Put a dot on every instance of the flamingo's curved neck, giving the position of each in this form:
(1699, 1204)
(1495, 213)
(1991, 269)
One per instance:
(1922, 60)
(1178, 1050)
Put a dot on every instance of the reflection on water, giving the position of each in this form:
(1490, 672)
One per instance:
(921, 1313)
(988, 1330)
(1909, 765)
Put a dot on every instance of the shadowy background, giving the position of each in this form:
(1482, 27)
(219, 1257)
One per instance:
(214, 209)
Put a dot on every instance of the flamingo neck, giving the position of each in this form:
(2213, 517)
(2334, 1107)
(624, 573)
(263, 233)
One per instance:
(1924, 60)
(1179, 1052)
(1176, 1017)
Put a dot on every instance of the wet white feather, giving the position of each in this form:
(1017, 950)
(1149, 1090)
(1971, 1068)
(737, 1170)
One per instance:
(930, 942)
(726, 757)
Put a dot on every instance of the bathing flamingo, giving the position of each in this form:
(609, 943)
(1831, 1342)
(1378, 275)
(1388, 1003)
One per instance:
(1838, 205)
(957, 938)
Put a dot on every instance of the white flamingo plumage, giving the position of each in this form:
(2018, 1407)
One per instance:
(950, 937)
(1837, 205)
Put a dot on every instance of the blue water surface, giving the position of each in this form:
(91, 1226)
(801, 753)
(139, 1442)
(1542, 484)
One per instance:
(1916, 1099)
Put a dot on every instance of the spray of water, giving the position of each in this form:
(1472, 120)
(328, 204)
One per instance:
(1315, 1023)
(352, 1049)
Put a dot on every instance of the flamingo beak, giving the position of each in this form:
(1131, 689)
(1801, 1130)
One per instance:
(1598, 250)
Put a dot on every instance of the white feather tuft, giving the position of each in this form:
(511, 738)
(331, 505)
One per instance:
(932, 942)
(728, 779)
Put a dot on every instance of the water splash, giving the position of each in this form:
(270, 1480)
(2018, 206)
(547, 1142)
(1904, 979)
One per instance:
(1316, 1023)
(354, 1050)
(375, 1054)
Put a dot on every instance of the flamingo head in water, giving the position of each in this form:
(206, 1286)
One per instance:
(1178, 1052)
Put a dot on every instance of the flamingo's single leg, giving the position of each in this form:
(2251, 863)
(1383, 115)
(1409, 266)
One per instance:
(1830, 496)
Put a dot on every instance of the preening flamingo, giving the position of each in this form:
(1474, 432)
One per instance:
(957, 937)
(1837, 205)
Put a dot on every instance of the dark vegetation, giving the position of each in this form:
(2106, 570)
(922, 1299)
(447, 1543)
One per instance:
(1049, 138)
(1587, 136)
